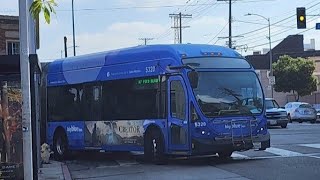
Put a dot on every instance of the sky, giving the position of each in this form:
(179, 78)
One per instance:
(102, 25)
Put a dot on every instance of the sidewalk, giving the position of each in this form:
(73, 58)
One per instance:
(54, 171)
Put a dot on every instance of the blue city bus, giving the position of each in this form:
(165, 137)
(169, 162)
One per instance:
(181, 99)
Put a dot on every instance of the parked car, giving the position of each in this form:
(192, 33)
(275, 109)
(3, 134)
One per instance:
(276, 116)
(318, 113)
(317, 107)
(301, 111)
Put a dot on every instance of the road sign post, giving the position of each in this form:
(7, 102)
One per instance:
(272, 80)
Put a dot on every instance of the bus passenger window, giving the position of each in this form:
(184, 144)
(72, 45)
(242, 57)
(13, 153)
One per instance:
(177, 100)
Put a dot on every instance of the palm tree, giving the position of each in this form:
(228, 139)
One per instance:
(45, 6)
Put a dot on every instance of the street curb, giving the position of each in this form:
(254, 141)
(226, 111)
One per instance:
(66, 172)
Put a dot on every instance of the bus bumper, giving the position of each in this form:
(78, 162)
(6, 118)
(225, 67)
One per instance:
(212, 146)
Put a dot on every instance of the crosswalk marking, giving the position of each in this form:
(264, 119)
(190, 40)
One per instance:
(311, 145)
(282, 152)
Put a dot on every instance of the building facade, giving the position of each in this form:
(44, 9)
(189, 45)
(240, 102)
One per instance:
(9, 35)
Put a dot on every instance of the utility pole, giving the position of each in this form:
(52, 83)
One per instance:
(73, 32)
(145, 40)
(24, 19)
(65, 47)
(180, 27)
(230, 22)
(230, 25)
(177, 25)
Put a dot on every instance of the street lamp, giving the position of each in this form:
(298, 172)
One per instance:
(270, 52)
(67, 48)
(73, 31)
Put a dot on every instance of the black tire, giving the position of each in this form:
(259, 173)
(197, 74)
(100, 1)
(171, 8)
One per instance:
(300, 121)
(225, 154)
(313, 121)
(60, 145)
(289, 117)
(284, 125)
(154, 147)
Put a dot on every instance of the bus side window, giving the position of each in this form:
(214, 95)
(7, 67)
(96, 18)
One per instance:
(91, 108)
(177, 100)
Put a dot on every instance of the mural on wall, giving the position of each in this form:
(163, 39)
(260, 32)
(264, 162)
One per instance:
(99, 133)
(11, 130)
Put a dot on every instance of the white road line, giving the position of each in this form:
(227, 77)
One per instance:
(127, 162)
(282, 152)
(315, 157)
(240, 156)
(311, 145)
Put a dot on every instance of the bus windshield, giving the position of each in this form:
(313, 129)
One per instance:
(229, 93)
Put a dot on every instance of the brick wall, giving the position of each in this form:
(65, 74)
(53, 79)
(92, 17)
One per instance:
(9, 30)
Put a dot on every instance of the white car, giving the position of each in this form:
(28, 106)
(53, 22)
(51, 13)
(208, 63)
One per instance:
(301, 111)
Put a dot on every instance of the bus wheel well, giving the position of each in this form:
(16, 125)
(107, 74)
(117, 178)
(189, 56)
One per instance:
(60, 144)
(59, 130)
(152, 128)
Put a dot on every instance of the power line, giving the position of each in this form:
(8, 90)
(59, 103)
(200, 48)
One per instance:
(249, 41)
(249, 22)
(259, 29)
(218, 33)
(168, 31)
(177, 26)
(279, 39)
(145, 40)
(153, 6)
(200, 11)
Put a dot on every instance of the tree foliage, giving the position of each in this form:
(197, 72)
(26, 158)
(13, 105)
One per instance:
(295, 74)
(45, 6)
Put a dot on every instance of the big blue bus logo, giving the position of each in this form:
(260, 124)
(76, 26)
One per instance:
(74, 129)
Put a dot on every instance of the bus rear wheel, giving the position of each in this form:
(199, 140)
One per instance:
(154, 147)
(60, 145)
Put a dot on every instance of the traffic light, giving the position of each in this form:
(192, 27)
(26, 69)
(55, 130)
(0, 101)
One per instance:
(301, 18)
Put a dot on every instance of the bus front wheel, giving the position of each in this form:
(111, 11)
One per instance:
(60, 144)
(225, 154)
(154, 147)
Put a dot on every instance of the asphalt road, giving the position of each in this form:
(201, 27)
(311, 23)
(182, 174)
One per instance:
(295, 154)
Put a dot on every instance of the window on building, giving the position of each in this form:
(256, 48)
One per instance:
(13, 47)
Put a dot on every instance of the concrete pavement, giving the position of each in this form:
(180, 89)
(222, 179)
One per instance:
(54, 171)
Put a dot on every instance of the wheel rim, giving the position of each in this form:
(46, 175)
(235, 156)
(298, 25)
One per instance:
(60, 146)
(154, 147)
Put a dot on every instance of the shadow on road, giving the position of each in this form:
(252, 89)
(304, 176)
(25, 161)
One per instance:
(84, 160)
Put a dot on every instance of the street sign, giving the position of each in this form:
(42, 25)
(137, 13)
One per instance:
(318, 26)
(272, 80)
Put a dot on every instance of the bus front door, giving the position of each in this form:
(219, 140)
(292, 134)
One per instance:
(178, 122)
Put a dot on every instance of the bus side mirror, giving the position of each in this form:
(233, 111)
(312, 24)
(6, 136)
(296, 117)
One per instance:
(193, 78)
